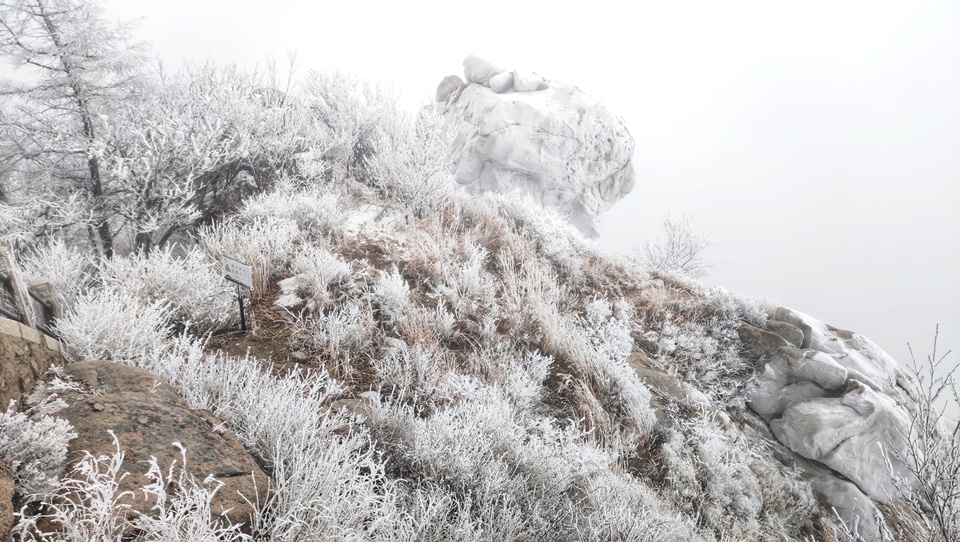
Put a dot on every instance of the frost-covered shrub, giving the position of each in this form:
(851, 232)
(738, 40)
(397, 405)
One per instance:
(622, 509)
(517, 473)
(707, 354)
(353, 115)
(678, 252)
(69, 270)
(190, 285)
(35, 447)
(609, 334)
(391, 292)
(327, 484)
(553, 235)
(413, 165)
(315, 270)
(90, 507)
(467, 286)
(266, 244)
(316, 210)
(107, 324)
(606, 392)
(503, 474)
(414, 371)
(751, 310)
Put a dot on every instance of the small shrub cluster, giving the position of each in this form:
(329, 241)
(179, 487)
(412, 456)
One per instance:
(89, 506)
(34, 445)
(189, 283)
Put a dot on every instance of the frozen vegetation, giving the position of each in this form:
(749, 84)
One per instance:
(471, 367)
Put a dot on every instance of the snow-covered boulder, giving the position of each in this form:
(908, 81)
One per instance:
(833, 397)
(851, 434)
(553, 141)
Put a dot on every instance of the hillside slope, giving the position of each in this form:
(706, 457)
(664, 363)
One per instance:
(426, 364)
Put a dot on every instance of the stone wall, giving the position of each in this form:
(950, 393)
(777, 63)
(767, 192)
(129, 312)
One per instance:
(25, 354)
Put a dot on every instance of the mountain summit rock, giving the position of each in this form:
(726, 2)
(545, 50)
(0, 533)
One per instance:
(518, 131)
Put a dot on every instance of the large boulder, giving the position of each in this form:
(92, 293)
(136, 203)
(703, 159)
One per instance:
(833, 397)
(148, 418)
(545, 138)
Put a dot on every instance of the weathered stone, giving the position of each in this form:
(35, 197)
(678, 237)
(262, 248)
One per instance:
(850, 434)
(450, 88)
(502, 82)
(527, 82)
(855, 509)
(557, 144)
(6, 501)
(479, 71)
(30, 334)
(148, 418)
(9, 327)
(789, 332)
(839, 402)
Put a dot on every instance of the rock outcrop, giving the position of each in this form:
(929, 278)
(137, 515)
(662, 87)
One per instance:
(148, 417)
(518, 131)
(833, 397)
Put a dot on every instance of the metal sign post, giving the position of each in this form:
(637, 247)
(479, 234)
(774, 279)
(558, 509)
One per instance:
(240, 274)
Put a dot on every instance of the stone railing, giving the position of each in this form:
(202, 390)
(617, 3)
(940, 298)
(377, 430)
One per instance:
(28, 346)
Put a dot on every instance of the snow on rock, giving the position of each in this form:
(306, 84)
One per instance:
(515, 130)
(849, 434)
(834, 397)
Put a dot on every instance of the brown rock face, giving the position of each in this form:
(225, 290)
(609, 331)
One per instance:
(6, 501)
(148, 417)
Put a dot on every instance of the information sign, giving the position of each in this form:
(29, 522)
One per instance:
(238, 272)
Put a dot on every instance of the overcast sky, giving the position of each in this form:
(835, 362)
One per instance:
(817, 142)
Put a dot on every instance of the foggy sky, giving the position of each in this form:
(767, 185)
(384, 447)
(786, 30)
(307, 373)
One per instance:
(818, 143)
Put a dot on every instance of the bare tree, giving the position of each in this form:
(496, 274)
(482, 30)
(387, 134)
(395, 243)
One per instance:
(79, 65)
(933, 454)
(679, 250)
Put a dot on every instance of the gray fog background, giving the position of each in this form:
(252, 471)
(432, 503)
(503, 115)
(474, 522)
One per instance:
(818, 143)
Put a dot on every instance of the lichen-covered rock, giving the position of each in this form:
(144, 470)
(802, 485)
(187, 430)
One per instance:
(148, 417)
(555, 143)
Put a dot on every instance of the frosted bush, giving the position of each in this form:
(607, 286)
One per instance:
(467, 285)
(326, 484)
(553, 234)
(352, 115)
(622, 509)
(678, 251)
(413, 371)
(35, 447)
(106, 324)
(90, 507)
(190, 284)
(315, 270)
(515, 475)
(751, 310)
(266, 244)
(69, 270)
(706, 354)
(413, 165)
(609, 335)
(314, 209)
(523, 378)
(391, 292)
